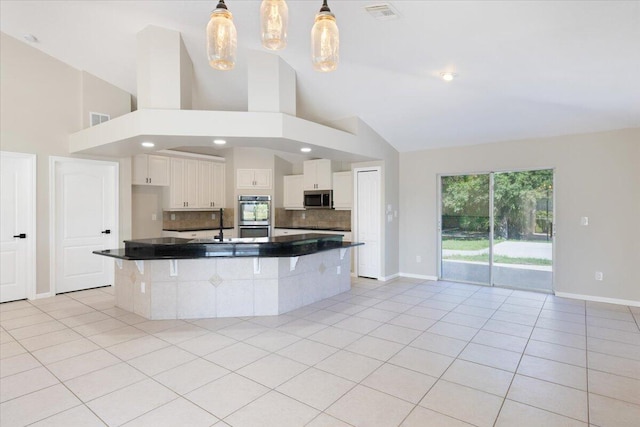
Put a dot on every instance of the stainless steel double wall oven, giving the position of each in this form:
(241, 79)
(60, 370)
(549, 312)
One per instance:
(254, 216)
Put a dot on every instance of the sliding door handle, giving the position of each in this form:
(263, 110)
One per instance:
(106, 232)
(20, 236)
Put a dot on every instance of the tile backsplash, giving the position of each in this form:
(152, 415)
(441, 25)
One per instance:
(320, 218)
(190, 220)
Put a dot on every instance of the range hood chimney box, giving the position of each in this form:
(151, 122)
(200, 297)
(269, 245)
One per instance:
(164, 70)
(271, 84)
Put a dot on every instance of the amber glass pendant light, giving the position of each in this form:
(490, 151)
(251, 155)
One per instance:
(274, 16)
(325, 41)
(222, 39)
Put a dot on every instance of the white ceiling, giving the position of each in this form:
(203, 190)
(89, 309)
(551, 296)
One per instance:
(525, 68)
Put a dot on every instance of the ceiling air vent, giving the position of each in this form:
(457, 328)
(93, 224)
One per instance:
(97, 118)
(382, 11)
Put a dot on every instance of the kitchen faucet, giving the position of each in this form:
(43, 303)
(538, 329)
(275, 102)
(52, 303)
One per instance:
(220, 236)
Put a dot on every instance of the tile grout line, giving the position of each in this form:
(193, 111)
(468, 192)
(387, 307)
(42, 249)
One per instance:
(515, 372)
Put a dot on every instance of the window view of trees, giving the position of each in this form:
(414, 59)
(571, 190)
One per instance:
(522, 202)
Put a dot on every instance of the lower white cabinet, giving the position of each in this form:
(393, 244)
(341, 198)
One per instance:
(200, 234)
(346, 235)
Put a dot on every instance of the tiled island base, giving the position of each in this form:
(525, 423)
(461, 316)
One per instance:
(229, 287)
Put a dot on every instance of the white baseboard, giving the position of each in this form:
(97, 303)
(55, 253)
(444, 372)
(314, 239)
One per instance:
(419, 276)
(387, 278)
(43, 295)
(599, 299)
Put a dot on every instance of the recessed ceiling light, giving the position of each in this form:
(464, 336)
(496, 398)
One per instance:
(448, 76)
(305, 150)
(148, 144)
(219, 141)
(30, 38)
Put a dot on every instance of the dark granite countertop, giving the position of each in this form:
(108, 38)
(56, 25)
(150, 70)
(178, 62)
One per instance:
(180, 248)
(311, 227)
(196, 229)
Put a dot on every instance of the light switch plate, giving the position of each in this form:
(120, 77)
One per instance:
(584, 220)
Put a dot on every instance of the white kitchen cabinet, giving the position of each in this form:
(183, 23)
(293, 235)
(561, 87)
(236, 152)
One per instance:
(259, 179)
(346, 235)
(199, 234)
(293, 192)
(318, 174)
(149, 169)
(288, 231)
(342, 190)
(183, 188)
(210, 184)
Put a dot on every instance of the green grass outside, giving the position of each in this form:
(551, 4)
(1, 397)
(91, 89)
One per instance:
(500, 259)
(467, 245)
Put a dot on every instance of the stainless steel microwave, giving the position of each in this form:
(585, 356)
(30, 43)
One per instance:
(318, 199)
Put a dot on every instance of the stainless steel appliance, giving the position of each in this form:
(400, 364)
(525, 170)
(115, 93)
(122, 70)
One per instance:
(254, 216)
(318, 199)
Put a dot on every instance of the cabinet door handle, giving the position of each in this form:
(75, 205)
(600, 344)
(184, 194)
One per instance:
(149, 180)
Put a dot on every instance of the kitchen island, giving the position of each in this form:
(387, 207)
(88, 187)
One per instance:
(174, 278)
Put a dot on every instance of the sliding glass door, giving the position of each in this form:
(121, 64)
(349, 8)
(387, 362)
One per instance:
(465, 225)
(497, 228)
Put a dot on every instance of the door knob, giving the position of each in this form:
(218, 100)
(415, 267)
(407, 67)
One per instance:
(21, 236)
(106, 232)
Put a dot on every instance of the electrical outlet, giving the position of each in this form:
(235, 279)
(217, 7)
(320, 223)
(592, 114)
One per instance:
(304, 215)
(143, 287)
(418, 259)
(173, 217)
(154, 217)
(213, 216)
(338, 270)
(584, 220)
(599, 275)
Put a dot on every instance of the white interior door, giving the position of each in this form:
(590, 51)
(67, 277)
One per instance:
(368, 222)
(86, 220)
(17, 228)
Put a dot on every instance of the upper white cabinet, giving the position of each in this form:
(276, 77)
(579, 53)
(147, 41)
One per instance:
(183, 190)
(343, 190)
(195, 185)
(293, 192)
(149, 169)
(259, 179)
(210, 185)
(317, 174)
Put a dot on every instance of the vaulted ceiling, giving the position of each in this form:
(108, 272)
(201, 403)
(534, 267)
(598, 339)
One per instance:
(524, 68)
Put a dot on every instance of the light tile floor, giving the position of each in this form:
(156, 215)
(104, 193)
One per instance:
(406, 353)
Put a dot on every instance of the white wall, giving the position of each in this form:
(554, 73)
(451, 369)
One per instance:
(146, 200)
(596, 175)
(99, 96)
(41, 103)
(389, 163)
